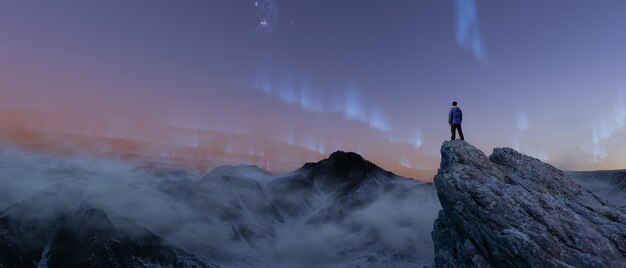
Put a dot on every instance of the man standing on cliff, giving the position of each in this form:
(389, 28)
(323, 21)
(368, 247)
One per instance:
(455, 116)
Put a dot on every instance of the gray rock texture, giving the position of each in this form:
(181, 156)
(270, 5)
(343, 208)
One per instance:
(512, 210)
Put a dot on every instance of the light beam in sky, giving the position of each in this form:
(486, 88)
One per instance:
(206, 83)
(467, 31)
(522, 121)
(607, 126)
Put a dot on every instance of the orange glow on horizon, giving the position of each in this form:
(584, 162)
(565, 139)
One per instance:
(69, 133)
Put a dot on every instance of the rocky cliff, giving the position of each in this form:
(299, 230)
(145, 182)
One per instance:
(512, 210)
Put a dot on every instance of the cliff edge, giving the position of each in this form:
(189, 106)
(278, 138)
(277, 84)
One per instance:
(512, 210)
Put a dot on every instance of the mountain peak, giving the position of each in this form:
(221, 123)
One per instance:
(512, 210)
(460, 152)
(346, 170)
(236, 171)
(347, 158)
(348, 165)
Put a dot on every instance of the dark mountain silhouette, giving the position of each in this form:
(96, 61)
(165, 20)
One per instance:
(48, 230)
(348, 166)
(342, 193)
(345, 172)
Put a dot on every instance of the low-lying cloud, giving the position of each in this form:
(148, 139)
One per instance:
(230, 216)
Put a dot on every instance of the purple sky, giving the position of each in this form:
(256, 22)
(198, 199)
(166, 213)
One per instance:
(284, 82)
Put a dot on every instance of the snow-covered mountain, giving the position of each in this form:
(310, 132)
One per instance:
(341, 211)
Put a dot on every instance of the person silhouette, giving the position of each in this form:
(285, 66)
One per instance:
(455, 117)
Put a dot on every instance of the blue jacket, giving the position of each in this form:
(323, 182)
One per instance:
(455, 116)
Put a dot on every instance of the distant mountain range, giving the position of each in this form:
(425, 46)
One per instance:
(48, 230)
(339, 211)
(343, 211)
(607, 184)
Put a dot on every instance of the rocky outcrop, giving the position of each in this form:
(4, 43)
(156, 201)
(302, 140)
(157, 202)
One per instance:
(512, 210)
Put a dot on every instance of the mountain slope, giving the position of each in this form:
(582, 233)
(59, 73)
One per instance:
(48, 231)
(343, 210)
(607, 184)
(511, 210)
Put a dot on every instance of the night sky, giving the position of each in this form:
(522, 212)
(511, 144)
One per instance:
(280, 83)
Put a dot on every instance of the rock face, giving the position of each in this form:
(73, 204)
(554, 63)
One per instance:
(45, 231)
(512, 210)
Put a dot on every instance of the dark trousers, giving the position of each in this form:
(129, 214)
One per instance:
(454, 128)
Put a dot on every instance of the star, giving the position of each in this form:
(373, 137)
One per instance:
(267, 14)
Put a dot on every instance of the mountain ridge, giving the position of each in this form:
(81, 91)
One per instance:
(78, 235)
(340, 211)
(342, 192)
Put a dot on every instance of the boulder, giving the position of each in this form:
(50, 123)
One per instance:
(512, 210)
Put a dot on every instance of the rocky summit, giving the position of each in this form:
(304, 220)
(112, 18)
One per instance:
(512, 210)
